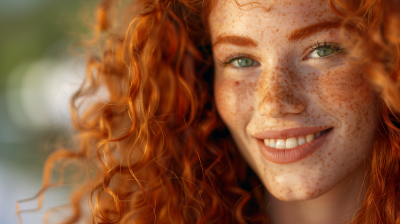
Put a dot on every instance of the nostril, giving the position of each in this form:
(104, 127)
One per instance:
(278, 97)
(277, 110)
(270, 110)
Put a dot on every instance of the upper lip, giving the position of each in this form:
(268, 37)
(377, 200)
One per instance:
(289, 133)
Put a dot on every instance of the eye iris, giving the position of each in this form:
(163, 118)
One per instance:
(245, 62)
(322, 52)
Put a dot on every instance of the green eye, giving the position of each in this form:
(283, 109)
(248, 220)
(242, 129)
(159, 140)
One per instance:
(324, 52)
(245, 62)
(240, 61)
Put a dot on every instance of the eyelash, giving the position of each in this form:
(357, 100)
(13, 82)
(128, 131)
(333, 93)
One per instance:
(335, 47)
(316, 46)
(233, 57)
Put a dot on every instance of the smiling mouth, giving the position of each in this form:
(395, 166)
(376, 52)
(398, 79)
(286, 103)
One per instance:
(293, 142)
(292, 149)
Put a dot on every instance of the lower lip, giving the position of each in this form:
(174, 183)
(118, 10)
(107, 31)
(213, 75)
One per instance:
(294, 154)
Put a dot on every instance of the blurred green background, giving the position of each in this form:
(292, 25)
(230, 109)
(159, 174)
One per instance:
(38, 75)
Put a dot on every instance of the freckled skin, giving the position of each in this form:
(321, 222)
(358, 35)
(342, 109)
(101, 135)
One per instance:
(289, 90)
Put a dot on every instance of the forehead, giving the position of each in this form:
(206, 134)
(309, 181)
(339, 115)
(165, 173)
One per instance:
(276, 16)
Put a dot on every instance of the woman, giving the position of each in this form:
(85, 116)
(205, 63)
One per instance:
(275, 112)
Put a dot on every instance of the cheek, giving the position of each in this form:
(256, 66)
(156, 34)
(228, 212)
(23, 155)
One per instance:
(234, 99)
(344, 88)
(348, 96)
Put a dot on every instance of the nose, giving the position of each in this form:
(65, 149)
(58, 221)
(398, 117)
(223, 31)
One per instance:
(279, 93)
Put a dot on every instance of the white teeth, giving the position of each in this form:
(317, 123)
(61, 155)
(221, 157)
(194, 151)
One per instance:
(272, 143)
(301, 141)
(280, 144)
(266, 142)
(291, 143)
(310, 137)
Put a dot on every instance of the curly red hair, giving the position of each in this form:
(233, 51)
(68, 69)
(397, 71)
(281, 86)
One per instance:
(156, 145)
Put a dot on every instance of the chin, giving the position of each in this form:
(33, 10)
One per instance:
(298, 194)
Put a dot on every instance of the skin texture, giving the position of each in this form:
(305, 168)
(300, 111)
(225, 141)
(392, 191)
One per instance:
(286, 89)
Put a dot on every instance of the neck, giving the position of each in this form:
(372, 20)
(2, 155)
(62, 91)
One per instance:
(338, 206)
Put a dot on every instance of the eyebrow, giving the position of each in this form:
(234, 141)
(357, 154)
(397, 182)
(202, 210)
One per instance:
(302, 33)
(294, 36)
(242, 41)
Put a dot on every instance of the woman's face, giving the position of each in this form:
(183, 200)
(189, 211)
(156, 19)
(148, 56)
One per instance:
(276, 94)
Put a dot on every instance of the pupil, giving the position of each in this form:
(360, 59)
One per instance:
(324, 52)
(245, 62)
